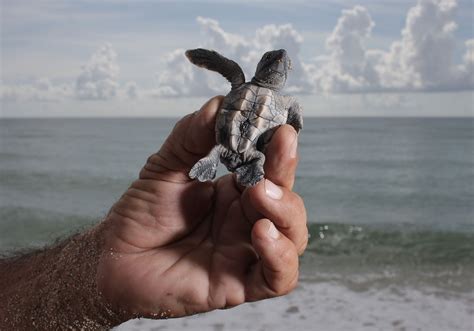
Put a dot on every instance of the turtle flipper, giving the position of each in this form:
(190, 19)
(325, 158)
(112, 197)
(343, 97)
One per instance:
(206, 168)
(214, 61)
(295, 115)
(251, 172)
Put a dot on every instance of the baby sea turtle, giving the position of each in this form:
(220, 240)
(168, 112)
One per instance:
(248, 114)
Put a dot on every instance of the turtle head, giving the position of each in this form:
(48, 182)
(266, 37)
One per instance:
(272, 70)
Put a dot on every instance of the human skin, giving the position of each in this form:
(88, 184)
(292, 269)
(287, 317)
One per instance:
(170, 246)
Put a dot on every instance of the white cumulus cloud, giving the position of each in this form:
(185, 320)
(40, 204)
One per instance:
(422, 59)
(98, 80)
(180, 77)
(349, 65)
(99, 76)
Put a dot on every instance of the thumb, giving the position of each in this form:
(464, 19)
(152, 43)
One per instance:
(191, 139)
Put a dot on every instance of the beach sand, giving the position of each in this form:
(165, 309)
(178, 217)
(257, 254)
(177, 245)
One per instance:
(330, 306)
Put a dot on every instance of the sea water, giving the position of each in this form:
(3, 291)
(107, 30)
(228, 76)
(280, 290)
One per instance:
(390, 206)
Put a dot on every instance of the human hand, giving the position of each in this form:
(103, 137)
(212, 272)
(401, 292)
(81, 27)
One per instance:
(175, 246)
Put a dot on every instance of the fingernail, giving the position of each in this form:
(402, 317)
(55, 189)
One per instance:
(273, 232)
(294, 147)
(272, 190)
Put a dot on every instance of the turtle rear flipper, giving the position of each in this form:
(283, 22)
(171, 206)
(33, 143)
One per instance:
(250, 173)
(205, 169)
(214, 61)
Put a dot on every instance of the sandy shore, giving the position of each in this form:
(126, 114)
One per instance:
(328, 306)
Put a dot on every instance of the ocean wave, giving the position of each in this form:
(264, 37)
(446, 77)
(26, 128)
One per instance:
(388, 244)
(392, 244)
(363, 257)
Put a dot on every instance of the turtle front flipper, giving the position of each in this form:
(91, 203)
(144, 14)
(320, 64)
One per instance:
(216, 62)
(295, 115)
(206, 168)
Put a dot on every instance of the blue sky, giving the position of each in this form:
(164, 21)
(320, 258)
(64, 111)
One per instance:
(124, 58)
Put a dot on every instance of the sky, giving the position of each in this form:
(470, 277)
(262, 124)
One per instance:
(86, 58)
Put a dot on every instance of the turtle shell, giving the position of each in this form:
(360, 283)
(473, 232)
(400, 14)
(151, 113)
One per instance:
(246, 113)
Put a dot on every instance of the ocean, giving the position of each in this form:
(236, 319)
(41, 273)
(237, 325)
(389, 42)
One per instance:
(390, 206)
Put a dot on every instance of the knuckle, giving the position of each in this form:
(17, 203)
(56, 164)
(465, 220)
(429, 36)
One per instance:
(293, 282)
(183, 120)
(302, 209)
(304, 243)
(289, 285)
(287, 256)
(299, 201)
(296, 211)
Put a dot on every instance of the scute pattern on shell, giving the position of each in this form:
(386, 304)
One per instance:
(246, 114)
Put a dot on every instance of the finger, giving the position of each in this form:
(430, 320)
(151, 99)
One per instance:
(277, 271)
(283, 207)
(191, 139)
(282, 157)
(232, 253)
(226, 194)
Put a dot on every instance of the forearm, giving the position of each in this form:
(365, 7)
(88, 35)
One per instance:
(55, 288)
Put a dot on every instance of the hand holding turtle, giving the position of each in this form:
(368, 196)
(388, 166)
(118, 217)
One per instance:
(173, 246)
(176, 246)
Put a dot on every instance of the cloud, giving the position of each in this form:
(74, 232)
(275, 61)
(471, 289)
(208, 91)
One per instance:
(422, 59)
(131, 90)
(42, 90)
(283, 36)
(182, 78)
(220, 39)
(466, 69)
(98, 80)
(349, 65)
(99, 76)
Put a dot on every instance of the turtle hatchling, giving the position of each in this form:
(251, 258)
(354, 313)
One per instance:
(248, 114)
